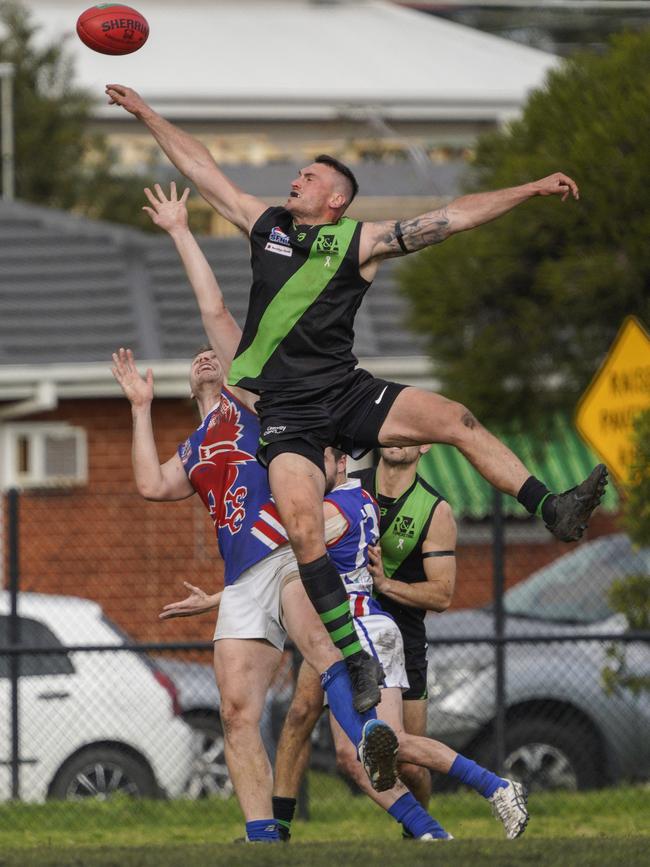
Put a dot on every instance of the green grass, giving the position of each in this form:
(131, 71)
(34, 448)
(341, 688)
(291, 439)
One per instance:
(601, 828)
(588, 852)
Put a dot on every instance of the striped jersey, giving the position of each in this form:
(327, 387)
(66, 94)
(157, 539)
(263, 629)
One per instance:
(219, 459)
(305, 293)
(349, 552)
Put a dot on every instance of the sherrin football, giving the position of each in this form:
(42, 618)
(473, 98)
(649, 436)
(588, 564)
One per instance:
(112, 28)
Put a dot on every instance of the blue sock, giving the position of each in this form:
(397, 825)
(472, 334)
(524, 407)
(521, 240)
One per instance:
(468, 772)
(262, 831)
(415, 819)
(336, 683)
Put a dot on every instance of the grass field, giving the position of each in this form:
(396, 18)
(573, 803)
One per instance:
(601, 828)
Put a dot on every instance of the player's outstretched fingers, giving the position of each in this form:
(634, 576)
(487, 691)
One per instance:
(159, 191)
(154, 201)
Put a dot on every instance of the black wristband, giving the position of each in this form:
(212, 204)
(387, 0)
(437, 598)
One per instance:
(400, 238)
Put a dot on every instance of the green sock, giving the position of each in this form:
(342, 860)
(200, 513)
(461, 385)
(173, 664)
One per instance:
(338, 622)
(325, 589)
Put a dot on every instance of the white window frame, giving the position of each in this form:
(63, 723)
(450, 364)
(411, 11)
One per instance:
(36, 432)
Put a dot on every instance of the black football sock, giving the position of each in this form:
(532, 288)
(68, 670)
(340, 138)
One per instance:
(283, 811)
(325, 589)
(536, 498)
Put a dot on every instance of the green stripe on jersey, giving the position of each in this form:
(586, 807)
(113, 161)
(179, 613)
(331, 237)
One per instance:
(294, 298)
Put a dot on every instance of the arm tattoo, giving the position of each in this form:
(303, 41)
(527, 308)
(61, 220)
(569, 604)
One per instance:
(408, 236)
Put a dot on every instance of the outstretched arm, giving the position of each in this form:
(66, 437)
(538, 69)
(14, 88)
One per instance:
(438, 562)
(397, 238)
(198, 602)
(155, 481)
(220, 327)
(192, 159)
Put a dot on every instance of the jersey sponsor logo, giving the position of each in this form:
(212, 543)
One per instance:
(278, 248)
(279, 237)
(301, 236)
(404, 527)
(279, 242)
(327, 244)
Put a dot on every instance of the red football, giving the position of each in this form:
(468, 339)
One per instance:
(112, 28)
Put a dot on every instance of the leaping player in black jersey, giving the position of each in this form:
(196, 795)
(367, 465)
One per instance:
(311, 267)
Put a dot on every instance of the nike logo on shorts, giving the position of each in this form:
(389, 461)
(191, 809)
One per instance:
(381, 395)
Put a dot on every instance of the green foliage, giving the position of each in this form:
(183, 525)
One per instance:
(57, 162)
(637, 505)
(519, 313)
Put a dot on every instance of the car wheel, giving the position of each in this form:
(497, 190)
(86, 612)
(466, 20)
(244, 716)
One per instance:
(101, 773)
(545, 755)
(209, 774)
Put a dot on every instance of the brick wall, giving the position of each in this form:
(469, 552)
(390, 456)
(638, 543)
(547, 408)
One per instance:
(106, 543)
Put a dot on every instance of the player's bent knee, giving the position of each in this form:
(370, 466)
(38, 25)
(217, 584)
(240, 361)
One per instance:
(303, 714)
(238, 717)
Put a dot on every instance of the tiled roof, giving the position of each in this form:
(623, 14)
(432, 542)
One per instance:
(72, 290)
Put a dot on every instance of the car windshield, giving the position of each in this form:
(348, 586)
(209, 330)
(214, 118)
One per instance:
(573, 589)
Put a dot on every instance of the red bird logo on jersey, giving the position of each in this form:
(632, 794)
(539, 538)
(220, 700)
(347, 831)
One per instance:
(231, 511)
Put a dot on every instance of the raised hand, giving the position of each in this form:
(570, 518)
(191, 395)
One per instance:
(557, 184)
(198, 602)
(118, 94)
(168, 213)
(138, 389)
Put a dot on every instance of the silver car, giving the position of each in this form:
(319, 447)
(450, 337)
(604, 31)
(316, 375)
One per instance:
(568, 724)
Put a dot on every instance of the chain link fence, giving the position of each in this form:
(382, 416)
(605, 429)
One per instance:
(549, 680)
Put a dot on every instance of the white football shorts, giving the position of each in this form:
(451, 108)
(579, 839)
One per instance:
(380, 637)
(252, 607)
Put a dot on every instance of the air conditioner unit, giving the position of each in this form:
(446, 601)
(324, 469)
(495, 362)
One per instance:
(37, 455)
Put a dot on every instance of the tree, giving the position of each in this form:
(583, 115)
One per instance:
(58, 163)
(636, 514)
(631, 595)
(519, 313)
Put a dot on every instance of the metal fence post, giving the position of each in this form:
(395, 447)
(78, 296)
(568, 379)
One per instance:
(14, 634)
(498, 546)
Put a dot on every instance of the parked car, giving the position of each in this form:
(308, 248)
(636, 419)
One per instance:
(564, 729)
(90, 723)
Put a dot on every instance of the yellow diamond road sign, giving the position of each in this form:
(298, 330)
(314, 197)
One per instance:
(619, 391)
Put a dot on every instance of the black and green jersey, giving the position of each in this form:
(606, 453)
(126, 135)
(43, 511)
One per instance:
(403, 527)
(305, 294)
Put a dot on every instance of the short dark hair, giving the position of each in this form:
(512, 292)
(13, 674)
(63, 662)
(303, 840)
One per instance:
(342, 169)
(338, 453)
(204, 347)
